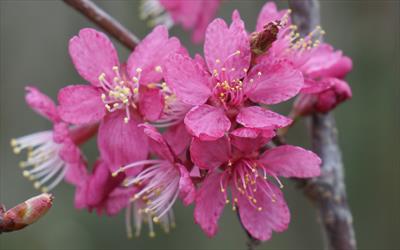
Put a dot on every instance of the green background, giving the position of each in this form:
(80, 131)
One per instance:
(33, 50)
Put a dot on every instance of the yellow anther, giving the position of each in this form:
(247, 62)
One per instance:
(103, 97)
(115, 68)
(156, 220)
(13, 143)
(26, 173)
(237, 52)
(135, 79)
(235, 200)
(115, 173)
(102, 77)
(36, 184)
(227, 201)
(108, 107)
(158, 69)
(152, 234)
(44, 190)
(222, 190)
(126, 119)
(17, 150)
(135, 90)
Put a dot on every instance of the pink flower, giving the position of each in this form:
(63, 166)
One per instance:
(222, 88)
(52, 154)
(235, 165)
(102, 192)
(323, 68)
(159, 184)
(191, 15)
(120, 96)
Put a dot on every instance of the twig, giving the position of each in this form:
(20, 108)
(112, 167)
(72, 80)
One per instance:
(105, 21)
(328, 191)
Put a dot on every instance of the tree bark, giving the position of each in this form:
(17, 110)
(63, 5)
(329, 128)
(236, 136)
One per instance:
(328, 191)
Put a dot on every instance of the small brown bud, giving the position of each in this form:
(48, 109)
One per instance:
(261, 41)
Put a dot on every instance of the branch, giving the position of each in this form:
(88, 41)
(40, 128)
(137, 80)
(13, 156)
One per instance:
(327, 191)
(105, 21)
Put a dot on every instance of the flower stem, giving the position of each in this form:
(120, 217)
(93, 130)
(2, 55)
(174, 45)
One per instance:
(328, 191)
(105, 21)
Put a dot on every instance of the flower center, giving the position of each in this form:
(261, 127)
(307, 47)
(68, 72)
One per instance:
(120, 94)
(247, 178)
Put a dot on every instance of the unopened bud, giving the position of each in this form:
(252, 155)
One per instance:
(25, 213)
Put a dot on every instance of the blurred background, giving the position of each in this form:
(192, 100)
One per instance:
(33, 50)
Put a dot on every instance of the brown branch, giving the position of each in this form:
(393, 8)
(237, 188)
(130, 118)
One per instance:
(105, 21)
(327, 191)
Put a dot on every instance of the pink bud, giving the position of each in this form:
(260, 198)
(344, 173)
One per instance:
(25, 213)
(324, 101)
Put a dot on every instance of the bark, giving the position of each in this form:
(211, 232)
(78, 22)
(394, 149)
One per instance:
(328, 191)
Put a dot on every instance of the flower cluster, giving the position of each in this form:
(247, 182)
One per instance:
(171, 127)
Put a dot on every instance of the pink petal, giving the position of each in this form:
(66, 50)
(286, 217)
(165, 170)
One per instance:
(121, 143)
(80, 195)
(76, 173)
(151, 52)
(207, 13)
(185, 13)
(70, 153)
(269, 13)
(117, 201)
(320, 60)
(272, 83)
(222, 43)
(291, 161)
(101, 183)
(274, 215)
(257, 117)
(209, 204)
(80, 104)
(210, 154)
(93, 54)
(41, 103)
(157, 142)
(187, 80)
(312, 86)
(248, 140)
(207, 122)
(151, 103)
(329, 99)
(187, 191)
(178, 138)
(340, 69)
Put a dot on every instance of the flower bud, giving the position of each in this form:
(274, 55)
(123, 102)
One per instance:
(25, 213)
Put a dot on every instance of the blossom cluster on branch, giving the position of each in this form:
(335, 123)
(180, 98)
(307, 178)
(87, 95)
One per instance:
(171, 127)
